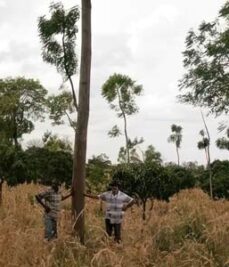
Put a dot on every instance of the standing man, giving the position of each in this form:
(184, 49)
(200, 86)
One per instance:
(50, 200)
(116, 203)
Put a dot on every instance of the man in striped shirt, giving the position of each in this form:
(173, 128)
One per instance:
(50, 200)
(116, 203)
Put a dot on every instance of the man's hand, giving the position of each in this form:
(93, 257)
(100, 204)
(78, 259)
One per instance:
(47, 209)
(124, 207)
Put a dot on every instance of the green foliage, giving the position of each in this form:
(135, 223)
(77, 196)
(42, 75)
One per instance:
(120, 92)
(223, 142)
(114, 132)
(48, 165)
(59, 106)
(176, 136)
(204, 143)
(152, 181)
(53, 143)
(58, 35)
(98, 169)
(151, 155)
(122, 89)
(220, 181)
(206, 62)
(22, 101)
(179, 178)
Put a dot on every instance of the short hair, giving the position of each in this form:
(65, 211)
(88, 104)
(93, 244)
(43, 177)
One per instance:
(114, 183)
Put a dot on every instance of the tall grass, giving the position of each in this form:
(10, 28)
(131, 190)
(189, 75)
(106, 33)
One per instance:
(190, 230)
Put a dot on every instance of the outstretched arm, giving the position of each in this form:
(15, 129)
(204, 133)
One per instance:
(39, 200)
(91, 196)
(67, 196)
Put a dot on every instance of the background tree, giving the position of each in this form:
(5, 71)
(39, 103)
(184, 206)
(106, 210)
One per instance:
(203, 144)
(223, 142)
(120, 92)
(98, 170)
(152, 181)
(59, 106)
(22, 101)
(132, 150)
(58, 37)
(151, 155)
(206, 60)
(176, 138)
(54, 143)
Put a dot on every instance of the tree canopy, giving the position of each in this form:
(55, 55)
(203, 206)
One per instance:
(206, 81)
(22, 101)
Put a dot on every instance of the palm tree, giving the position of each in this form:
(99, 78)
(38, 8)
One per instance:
(203, 144)
(176, 138)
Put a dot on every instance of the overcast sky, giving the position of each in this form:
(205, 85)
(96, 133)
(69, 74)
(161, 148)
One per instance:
(142, 39)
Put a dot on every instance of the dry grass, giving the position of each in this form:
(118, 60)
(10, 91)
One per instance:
(191, 230)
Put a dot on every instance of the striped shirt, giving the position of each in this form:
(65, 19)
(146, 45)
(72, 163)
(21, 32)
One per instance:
(114, 205)
(53, 201)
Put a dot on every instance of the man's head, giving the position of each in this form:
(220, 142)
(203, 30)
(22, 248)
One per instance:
(55, 186)
(114, 187)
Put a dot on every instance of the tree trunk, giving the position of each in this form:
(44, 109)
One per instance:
(125, 128)
(80, 148)
(127, 140)
(144, 210)
(178, 156)
(208, 154)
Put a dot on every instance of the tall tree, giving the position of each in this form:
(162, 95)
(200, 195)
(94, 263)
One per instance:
(58, 37)
(206, 81)
(176, 138)
(80, 148)
(22, 101)
(120, 92)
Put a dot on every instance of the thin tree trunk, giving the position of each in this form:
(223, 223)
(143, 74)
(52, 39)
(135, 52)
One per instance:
(125, 129)
(126, 136)
(178, 156)
(144, 210)
(208, 154)
(82, 122)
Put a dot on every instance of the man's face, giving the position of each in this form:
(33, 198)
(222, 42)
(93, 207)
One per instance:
(114, 190)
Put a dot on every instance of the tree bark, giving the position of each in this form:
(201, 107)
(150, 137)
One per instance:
(144, 210)
(80, 148)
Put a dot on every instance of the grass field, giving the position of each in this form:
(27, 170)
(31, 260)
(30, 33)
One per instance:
(190, 230)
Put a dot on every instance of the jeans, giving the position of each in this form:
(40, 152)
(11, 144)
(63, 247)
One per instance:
(50, 227)
(117, 229)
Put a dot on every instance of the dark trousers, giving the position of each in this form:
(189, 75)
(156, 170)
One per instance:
(50, 227)
(117, 229)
